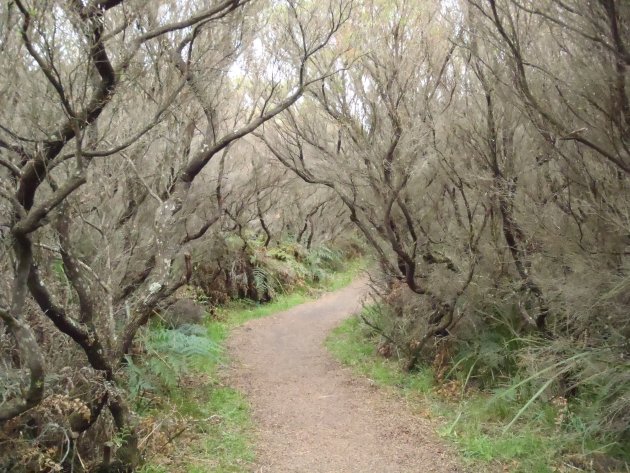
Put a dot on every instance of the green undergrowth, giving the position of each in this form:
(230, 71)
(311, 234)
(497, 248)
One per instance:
(350, 345)
(239, 311)
(218, 428)
(545, 438)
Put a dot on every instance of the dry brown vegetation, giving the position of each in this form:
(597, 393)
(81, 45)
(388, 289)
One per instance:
(480, 147)
(485, 157)
(122, 170)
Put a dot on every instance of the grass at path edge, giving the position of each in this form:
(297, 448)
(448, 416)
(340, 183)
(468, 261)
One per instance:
(222, 440)
(473, 422)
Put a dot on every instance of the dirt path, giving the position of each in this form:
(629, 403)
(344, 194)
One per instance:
(314, 416)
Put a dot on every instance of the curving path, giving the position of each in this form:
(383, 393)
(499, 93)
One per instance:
(312, 414)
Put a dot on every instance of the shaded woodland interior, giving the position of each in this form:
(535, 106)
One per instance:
(478, 151)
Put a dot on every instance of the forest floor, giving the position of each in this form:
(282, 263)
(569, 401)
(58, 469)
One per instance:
(311, 414)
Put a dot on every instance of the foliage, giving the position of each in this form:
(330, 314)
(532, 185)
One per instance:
(262, 273)
(498, 412)
(486, 164)
(168, 356)
(353, 344)
(220, 437)
(478, 147)
(95, 247)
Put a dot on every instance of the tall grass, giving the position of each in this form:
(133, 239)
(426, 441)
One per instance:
(498, 414)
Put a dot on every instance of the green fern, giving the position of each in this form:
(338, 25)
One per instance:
(261, 279)
(170, 354)
(265, 281)
(279, 253)
(325, 257)
(321, 261)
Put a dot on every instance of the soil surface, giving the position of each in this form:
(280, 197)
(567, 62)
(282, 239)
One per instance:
(313, 415)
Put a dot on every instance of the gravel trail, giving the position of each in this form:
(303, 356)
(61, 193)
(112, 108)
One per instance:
(314, 415)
